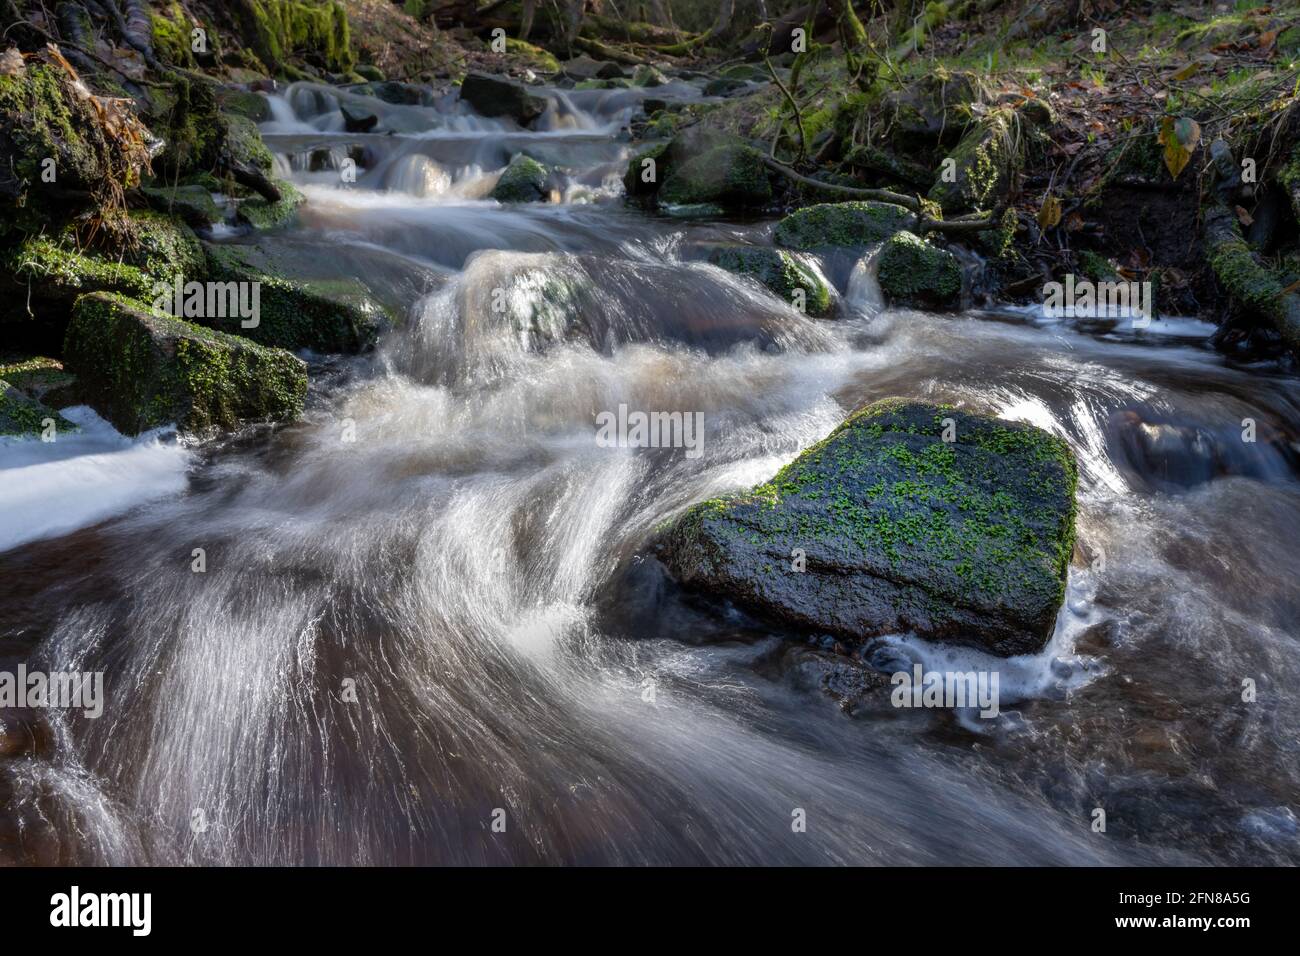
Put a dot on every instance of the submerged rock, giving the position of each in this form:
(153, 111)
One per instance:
(913, 272)
(524, 180)
(841, 224)
(141, 368)
(494, 97)
(965, 541)
(730, 176)
(780, 272)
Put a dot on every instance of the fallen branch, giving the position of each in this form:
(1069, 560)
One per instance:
(879, 195)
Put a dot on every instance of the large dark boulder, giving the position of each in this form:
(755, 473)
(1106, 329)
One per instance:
(495, 97)
(965, 541)
(731, 176)
(141, 368)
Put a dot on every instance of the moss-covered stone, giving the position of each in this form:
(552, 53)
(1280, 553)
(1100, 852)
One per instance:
(987, 161)
(21, 415)
(43, 379)
(523, 180)
(731, 176)
(263, 214)
(141, 369)
(533, 57)
(253, 106)
(914, 272)
(909, 517)
(191, 202)
(643, 180)
(845, 224)
(170, 28)
(785, 276)
(322, 315)
(56, 273)
(244, 143)
(58, 159)
(316, 30)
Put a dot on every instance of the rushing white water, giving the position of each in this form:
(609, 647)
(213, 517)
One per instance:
(431, 600)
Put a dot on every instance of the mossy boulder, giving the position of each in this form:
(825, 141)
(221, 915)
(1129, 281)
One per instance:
(965, 541)
(985, 164)
(46, 274)
(844, 224)
(324, 315)
(523, 180)
(60, 158)
(315, 30)
(161, 246)
(192, 202)
(52, 273)
(43, 379)
(731, 176)
(914, 272)
(245, 103)
(141, 368)
(244, 143)
(646, 75)
(21, 415)
(261, 213)
(534, 57)
(644, 178)
(497, 97)
(780, 272)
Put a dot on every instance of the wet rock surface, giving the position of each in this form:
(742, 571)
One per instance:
(965, 541)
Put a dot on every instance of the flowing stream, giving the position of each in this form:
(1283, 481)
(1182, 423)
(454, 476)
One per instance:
(430, 606)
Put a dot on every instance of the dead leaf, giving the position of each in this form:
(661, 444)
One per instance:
(11, 62)
(1187, 72)
(1266, 40)
(1245, 217)
(1179, 137)
(1049, 214)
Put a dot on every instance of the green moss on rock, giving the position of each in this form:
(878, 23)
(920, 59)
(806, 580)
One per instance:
(316, 30)
(141, 369)
(965, 540)
(524, 180)
(845, 224)
(192, 202)
(23, 416)
(987, 160)
(262, 214)
(321, 315)
(914, 272)
(730, 176)
(780, 272)
(641, 180)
